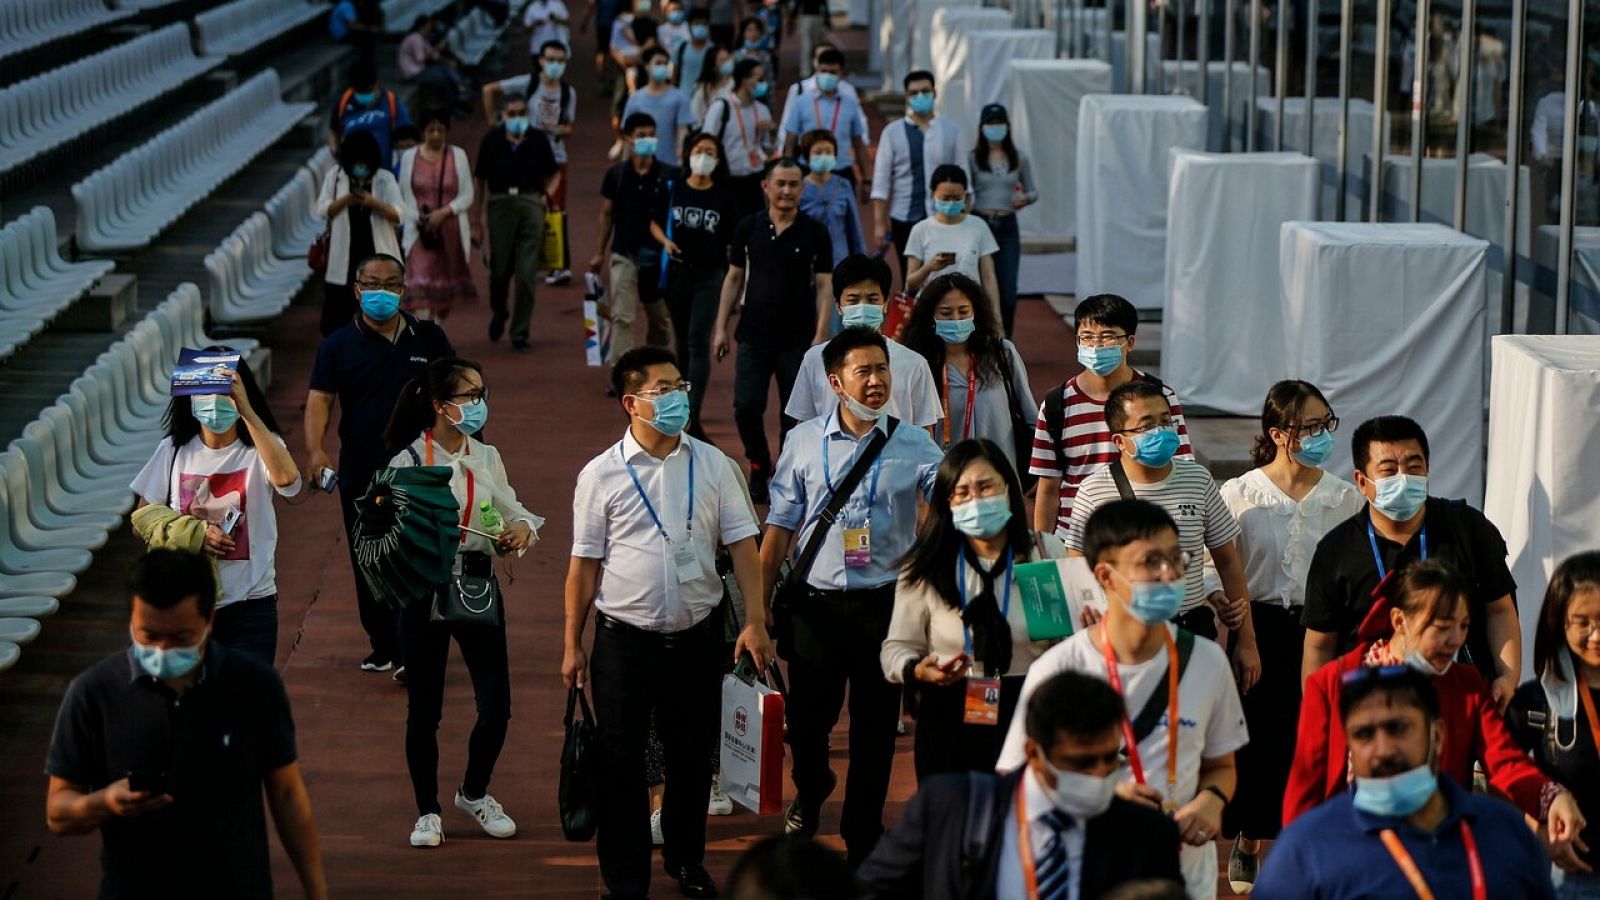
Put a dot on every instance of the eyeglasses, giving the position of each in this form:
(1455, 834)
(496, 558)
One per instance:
(1315, 429)
(392, 286)
(1167, 422)
(471, 396)
(1104, 339)
(1160, 563)
(653, 393)
(1587, 628)
(1373, 673)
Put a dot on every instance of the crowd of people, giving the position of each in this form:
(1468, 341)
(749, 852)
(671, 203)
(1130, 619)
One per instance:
(1322, 670)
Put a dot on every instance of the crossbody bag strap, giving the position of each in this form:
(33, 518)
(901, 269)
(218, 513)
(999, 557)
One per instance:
(1156, 706)
(841, 495)
(1055, 416)
(1120, 476)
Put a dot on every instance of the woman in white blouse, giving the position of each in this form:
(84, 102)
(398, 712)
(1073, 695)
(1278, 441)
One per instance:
(361, 201)
(958, 615)
(433, 423)
(436, 187)
(1284, 506)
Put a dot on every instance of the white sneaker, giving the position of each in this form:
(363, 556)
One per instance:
(489, 814)
(720, 803)
(428, 832)
(655, 828)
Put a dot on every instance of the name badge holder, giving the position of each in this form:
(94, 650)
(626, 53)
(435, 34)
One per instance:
(684, 558)
(983, 693)
(856, 543)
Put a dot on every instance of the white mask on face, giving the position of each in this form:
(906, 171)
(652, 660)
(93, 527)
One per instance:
(1081, 796)
(857, 408)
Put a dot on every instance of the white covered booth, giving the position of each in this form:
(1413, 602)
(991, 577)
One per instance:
(1043, 101)
(988, 80)
(1222, 336)
(922, 13)
(1324, 142)
(1123, 145)
(1388, 318)
(1544, 425)
(952, 56)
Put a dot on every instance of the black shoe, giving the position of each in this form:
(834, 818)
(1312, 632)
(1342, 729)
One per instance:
(759, 474)
(693, 880)
(376, 662)
(521, 347)
(497, 326)
(805, 813)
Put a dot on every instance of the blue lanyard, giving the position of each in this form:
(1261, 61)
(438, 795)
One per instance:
(961, 585)
(650, 508)
(827, 472)
(1372, 538)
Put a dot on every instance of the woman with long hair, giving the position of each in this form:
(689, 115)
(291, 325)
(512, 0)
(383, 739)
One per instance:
(1002, 185)
(1554, 715)
(361, 200)
(714, 83)
(221, 462)
(958, 620)
(983, 382)
(830, 198)
(433, 424)
(436, 187)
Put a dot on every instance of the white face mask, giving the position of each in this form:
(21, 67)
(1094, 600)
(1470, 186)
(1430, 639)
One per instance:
(1081, 796)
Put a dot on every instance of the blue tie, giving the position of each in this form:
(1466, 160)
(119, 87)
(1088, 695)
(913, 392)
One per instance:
(1051, 872)
(919, 175)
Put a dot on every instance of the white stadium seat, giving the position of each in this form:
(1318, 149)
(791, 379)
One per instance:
(36, 284)
(473, 36)
(292, 211)
(235, 28)
(249, 283)
(398, 15)
(26, 24)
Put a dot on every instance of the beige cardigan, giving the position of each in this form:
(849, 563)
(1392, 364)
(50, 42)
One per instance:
(461, 205)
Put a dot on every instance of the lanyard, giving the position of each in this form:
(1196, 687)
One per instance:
(816, 107)
(650, 507)
(466, 513)
(1115, 677)
(738, 115)
(1030, 876)
(1402, 858)
(961, 585)
(827, 472)
(972, 394)
(1372, 538)
(1588, 708)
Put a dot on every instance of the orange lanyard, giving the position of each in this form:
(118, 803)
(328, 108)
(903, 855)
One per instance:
(816, 107)
(1134, 761)
(1030, 878)
(738, 114)
(1402, 858)
(1588, 708)
(427, 455)
(972, 393)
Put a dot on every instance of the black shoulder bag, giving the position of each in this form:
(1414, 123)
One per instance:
(1021, 429)
(575, 795)
(1156, 707)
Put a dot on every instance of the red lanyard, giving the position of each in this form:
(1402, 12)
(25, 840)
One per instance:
(1134, 761)
(466, 512)
(1402, 858)
(738, 114)
(816, 107)
(1030, 878)
(1588, 708)
(972, 394)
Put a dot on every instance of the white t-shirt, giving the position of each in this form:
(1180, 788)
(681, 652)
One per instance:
(913, 396)
(1210, 716)
(540, 20)
(969, 239)
(204, 484)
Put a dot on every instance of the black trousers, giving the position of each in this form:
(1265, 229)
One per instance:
(838, 637)
(692, 297)
(249, 627)
(1272, 712)
(1200, 621)
(944, 743)
(632, 674)
(900, 234)
(483, 648)
(753, 371)
(380, 621)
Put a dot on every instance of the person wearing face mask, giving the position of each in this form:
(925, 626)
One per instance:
(123, 723)
(649, 513)
(950, 241)
(434, 424)
(665, 104)
(908, 153)
(546, 22)
(674, 30)
(743, 124)
(516, 170)
(830, 110)
(838, 599)
(365, 105)
(1133, 549)
(809, 85)
(755, 44)
(553, 107)
(715, 83)
(1420, 620)
(1409, 829)
(983, 384)
(963, 836)
(220, 463)
(1402, 523)
(689, 58)
(958, 630)
(634, 193)
(830, 199)
(362, 203)
(1002, 184)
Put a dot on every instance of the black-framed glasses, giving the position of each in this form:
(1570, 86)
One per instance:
(1317, 428)
(1168, 422)
(471, 396)
(392, 286)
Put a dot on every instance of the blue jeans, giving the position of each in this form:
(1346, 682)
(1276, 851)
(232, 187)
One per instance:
(1007, 260)
(1579, 886)
(249, 628)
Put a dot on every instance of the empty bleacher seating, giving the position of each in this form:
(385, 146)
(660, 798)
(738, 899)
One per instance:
(36, 284)
(473, 36)
(249, 283)
(399, 15)
(292, 211)
(235, 28)
(26, 24)
(125, 205)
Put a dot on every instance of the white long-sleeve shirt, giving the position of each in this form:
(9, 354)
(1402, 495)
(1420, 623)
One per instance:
(891, 171)
(489, 484)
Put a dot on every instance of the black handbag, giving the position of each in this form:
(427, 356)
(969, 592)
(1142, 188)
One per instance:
(467, 599)
(575, 795)
(1021, 432)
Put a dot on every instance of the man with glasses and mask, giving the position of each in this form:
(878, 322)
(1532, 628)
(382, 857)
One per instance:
(1134, 551)
(363, 365)
(515, 169)
(1401, 523)
(1406, 830)
(649, 514)
(1081, 838)
(553, 106)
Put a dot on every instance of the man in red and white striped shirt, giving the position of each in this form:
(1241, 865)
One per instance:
(1077, 443)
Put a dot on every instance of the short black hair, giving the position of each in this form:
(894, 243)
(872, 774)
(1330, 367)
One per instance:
(1116, 412)
(554, 45)
(360, 148)
(699, 14)
(743, 68)
(1384, 430)
(363, 74)
(786, 867)
(781, 162)
(380, 257)
(848, 339)
(636, 121)
(164, 578)
(426, 117)
(628, 371)
(1080, 705)
(918, 75)
(1109, 310)
(830, 57)
(651, 53)
(859, 267)
(1403, 685)
(747, 21)
(1120, 523)
(947, 174)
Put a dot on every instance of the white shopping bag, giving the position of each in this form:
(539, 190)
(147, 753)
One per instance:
(596, 323)
(752, 744)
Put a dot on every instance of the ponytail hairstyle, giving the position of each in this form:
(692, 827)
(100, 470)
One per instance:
(1285, 401)
(413, 412)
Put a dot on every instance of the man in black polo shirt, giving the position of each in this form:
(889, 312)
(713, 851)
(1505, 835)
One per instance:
(515, 170)
(165, 747)
(365, 364)
(788, 294)
(1401, 523)
(635, 193)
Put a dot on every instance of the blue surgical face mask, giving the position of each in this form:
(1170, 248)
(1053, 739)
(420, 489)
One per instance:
(994, 134)
(660, 72)
(554, 69)
(753, 45)
(360, 171)
(1314, 450)
(365, 98)
(644, 146)
(380, 306)
(671, 412)
(954, 331)
(983, 517)
(699, 32)
(1156, 447)
(473, 416)
(950, 208)
(1153, 602)
(1396, 796)
(170, 663)
(823, 163)
(215, 412)
(921, 103)
(1401, 496)
(726, 68)
(1100, 360)
(761, 90)
(677, 17)
(865, 315)
(516, 126)
(827, 82)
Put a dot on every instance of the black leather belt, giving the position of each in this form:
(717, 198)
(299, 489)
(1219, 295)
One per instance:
(694, 634)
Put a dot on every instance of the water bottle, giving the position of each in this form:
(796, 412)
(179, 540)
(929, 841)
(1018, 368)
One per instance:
(490, 519)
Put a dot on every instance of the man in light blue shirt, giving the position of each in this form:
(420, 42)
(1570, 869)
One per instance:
(831, 110)
(838, 611)
(667, 105)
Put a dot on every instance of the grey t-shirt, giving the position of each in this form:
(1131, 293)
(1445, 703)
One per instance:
(671, 111)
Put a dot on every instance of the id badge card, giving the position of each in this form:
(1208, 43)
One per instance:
(983, 702)
(687, 562)
(857, 547)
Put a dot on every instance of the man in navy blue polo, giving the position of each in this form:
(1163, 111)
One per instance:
(1406, 830)
(364, 364)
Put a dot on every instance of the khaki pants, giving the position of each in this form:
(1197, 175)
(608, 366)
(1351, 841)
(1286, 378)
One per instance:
(516, 234)
(632, 286)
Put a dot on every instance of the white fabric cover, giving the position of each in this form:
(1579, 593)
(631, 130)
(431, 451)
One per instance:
(1544, 422)
(1123, 142)
(923, 12)
(988, 74)
(1388, 318)
(1222, 337)
(1043, 101)
(952, 56)
(896, 40)
(1186, 80)
(1324, 143)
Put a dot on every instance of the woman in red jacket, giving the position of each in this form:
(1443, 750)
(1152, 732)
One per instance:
(1420, 620)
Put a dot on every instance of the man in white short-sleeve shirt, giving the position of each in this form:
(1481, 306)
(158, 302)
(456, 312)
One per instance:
(1133, 550)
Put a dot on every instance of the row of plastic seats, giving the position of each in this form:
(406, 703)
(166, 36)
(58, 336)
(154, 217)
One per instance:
(248, 282)
(26, 24)
(398, 15)
(36, 284)
(49, 109)
(238, 27)
(125, 205)
(473, 36)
